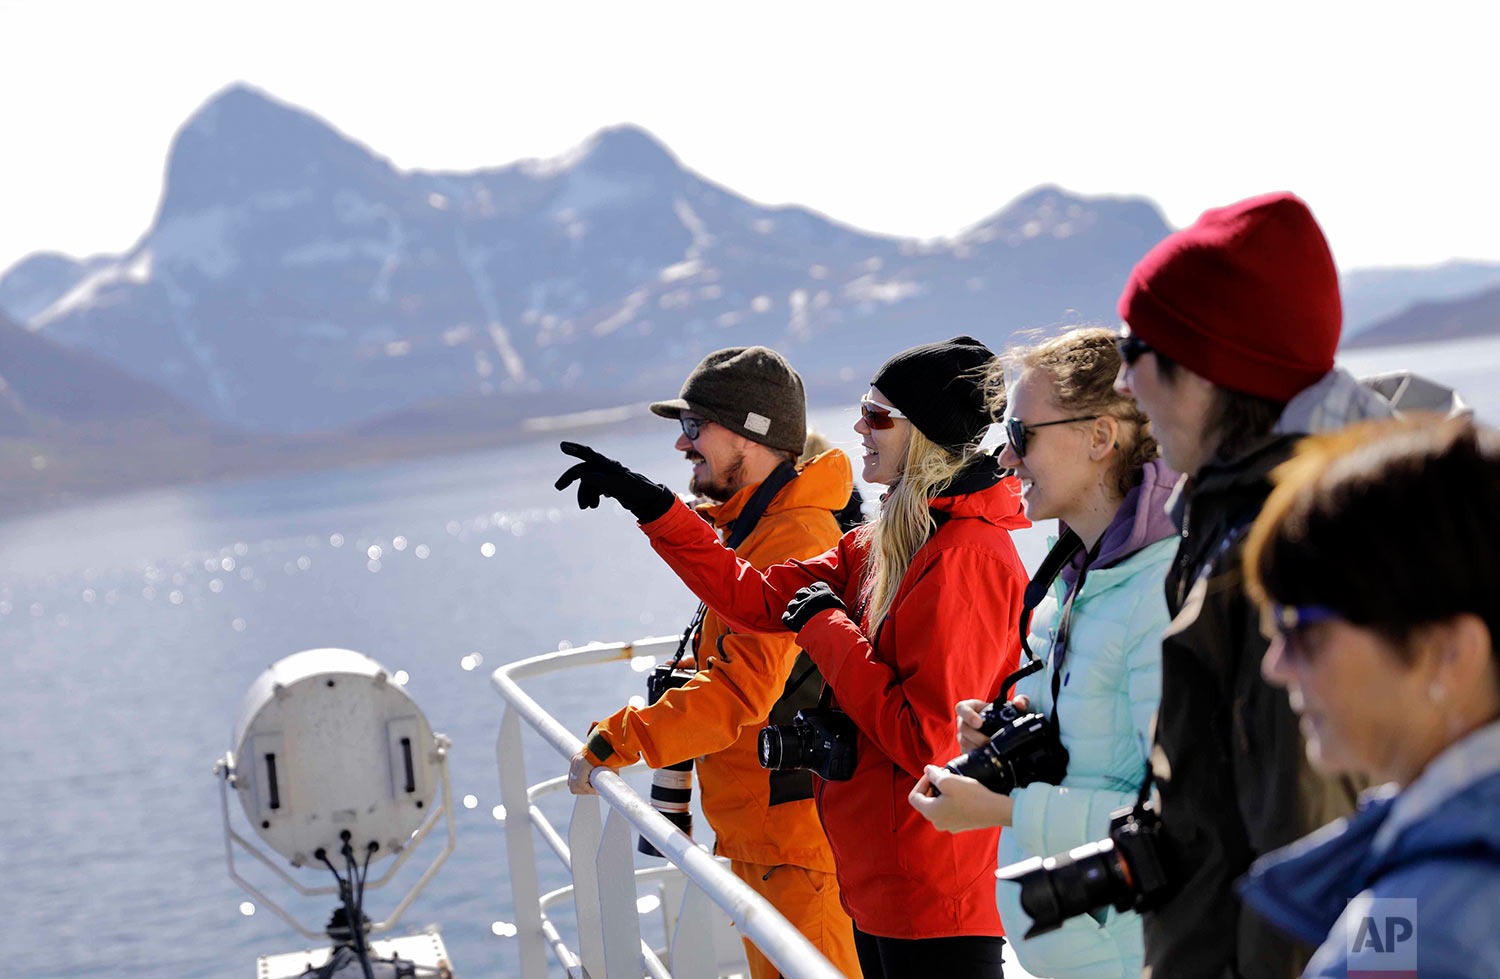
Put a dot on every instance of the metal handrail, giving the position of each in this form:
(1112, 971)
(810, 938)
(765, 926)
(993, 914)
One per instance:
(609, 927)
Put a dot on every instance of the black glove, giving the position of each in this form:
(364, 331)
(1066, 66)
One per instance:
(808, 602)
(599, 475)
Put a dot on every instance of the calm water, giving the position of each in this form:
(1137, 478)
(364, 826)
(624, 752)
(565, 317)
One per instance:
(130, 629)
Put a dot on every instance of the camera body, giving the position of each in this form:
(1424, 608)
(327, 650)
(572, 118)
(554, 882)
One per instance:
(672, 786)
(1023, 748)
(1124, 871)
(821, 739)
(664, 678)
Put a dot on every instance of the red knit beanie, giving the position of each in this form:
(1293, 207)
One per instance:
(1247, 297)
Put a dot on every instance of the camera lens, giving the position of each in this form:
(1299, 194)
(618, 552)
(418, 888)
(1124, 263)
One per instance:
(1058, 888)
(784, 746)
(986, 766)
(770, 747)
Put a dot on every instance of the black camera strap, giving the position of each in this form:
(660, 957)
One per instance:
(1065, 623)
(1036, 590)
(754, 509)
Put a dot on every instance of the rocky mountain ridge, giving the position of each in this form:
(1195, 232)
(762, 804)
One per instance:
(294, 281)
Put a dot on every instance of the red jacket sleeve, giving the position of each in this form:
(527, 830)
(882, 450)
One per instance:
(749, 600)
(951, 636)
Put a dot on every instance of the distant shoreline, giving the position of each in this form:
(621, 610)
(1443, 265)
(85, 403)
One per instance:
(78, 473)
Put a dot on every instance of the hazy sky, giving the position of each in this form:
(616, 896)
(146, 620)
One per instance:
(914, 118)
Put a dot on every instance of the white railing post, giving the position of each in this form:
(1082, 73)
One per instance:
(585, 830)
(693, 953)
(615, 867)
(520, 848)
(608, 922)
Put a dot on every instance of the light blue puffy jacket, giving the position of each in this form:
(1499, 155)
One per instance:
(1110, 690)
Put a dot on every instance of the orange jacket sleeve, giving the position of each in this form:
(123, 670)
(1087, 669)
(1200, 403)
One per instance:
(749, 600)
(741, 675)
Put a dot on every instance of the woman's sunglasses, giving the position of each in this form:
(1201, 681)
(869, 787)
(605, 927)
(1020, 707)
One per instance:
(1285, 621)
(877, 415)
(1016, 430)
(1131, 347)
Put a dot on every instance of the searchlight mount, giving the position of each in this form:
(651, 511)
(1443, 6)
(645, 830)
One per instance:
(332, 759)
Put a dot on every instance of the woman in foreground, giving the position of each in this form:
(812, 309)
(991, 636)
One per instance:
(1376, 563)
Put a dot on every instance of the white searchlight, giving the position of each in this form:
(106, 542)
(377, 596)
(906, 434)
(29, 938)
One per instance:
(337, 769)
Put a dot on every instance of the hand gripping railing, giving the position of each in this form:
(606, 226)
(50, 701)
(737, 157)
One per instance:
(604, 888)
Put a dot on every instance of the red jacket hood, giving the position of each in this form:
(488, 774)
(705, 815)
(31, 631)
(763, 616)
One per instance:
(999, 504)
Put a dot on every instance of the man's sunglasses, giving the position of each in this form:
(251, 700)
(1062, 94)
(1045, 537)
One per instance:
(877, 415)
(691, 427)
(1016, 430)
(1131, 347)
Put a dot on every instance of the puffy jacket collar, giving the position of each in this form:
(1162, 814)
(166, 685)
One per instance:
(1140, 522)
(1120, 572)
(987, 492)
(824, 483)
(1449, 810)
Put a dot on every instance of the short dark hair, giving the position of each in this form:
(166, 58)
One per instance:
(1239, 420)
(1394, 525)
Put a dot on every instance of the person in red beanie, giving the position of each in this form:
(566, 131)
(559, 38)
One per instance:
(1226, 322)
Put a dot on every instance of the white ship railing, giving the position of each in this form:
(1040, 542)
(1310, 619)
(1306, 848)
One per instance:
(600, 854)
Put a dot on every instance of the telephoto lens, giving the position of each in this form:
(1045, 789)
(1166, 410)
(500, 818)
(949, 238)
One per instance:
(672, 786)
(1123, 870)
(671, 795)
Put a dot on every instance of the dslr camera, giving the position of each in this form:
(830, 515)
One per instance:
(1023, 748)
(1123, 870)
(664, 678)
(672, 786)
(821, 739)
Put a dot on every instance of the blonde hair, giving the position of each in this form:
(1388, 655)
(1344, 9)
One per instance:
(905, 522)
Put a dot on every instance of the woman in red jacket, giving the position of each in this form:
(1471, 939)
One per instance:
(906, 616)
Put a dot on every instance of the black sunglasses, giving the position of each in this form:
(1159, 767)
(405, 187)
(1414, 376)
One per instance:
(691, 427)
(1131, 347)
(1016, 430)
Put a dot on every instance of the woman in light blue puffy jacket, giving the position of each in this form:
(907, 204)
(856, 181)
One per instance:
(1085, 458)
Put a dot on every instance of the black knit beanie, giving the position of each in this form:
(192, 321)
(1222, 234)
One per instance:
(940, 388)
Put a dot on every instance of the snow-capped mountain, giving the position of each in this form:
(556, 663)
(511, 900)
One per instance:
(293, 280)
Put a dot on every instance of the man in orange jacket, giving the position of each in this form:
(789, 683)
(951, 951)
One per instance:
(743, 417)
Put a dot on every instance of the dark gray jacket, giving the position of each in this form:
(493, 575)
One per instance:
(1228, 761)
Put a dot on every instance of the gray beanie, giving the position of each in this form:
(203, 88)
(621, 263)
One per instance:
(752, 391)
